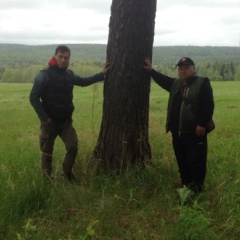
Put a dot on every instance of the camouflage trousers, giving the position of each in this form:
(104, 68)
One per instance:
(47, 137)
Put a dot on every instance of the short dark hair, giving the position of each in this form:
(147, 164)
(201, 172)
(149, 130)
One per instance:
(62, 48)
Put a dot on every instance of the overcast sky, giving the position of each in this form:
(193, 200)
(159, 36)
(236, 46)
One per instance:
(185, 22)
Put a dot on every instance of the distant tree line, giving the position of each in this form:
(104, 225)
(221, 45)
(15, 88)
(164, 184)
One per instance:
(27, 74)
(21, 63)
(214, 70)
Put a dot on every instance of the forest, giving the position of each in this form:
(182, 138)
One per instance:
(20, 63)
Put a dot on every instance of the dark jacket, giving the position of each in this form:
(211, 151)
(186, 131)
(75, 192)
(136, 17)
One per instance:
(197, 93)
(52, 92)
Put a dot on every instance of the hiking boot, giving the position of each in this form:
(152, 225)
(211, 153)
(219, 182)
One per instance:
(197, 189)
(71, 178)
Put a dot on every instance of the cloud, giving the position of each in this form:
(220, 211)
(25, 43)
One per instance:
(203, 3)
(21, 4)
(214, 23)
(205, 24)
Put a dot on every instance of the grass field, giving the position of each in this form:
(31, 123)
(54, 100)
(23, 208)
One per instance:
(138, 204)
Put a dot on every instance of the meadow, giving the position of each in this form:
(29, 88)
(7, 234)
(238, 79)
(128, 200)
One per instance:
(138, 204)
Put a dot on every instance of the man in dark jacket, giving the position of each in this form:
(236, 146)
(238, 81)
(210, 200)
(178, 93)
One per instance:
(190, 108)
(51, 97)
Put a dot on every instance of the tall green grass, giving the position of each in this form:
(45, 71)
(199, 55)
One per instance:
(135, 205)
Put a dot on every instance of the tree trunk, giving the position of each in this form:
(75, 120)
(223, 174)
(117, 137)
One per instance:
(123, 139)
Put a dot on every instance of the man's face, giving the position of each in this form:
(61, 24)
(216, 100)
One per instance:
(63, 59)
(186, 71)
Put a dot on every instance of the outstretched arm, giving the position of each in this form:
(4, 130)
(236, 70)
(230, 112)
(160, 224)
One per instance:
(80, 81)
(105, 68)
(161, 79)
(148, 64)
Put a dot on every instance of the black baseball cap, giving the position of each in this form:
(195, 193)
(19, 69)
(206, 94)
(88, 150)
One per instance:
(185, 61)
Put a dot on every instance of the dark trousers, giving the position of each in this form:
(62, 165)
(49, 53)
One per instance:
(191, 154)
(47, 138)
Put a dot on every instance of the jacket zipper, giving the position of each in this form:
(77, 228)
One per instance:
(185, 93)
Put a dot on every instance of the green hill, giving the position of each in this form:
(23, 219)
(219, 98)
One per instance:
(219, 63)
(16, 55)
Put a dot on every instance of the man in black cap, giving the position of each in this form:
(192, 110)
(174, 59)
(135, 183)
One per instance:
(190, 108)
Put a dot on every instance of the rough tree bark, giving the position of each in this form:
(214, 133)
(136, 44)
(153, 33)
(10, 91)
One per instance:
(123, 139)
